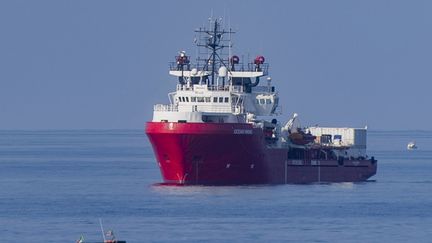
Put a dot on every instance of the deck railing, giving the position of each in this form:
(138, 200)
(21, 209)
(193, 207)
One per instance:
(222, 109)
(241, 67)
(235, 109)
(169, 108)
(232, 88)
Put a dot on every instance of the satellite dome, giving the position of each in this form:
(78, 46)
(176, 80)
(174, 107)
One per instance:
(223, 71)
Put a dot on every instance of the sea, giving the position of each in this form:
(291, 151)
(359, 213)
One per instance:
(59, 185)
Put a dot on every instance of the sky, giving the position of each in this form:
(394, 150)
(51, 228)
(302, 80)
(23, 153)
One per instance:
(104, 64)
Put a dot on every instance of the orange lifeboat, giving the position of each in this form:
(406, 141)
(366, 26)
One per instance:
(301, 138)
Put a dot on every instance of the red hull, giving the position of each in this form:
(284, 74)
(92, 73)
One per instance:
(233, 154)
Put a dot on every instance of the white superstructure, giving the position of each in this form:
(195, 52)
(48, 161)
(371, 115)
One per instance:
(204, 103)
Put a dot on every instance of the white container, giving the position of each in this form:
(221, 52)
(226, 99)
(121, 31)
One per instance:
(347, 136)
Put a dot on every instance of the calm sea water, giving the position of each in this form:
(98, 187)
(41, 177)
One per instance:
(55, 185)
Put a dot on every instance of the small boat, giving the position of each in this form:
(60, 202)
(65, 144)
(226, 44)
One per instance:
(411, 145)
(108, 236)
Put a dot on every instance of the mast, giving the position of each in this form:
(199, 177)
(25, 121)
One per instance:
(214, 51)
(213, 40)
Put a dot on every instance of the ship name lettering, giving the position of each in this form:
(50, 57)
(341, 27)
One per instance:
(242, 131)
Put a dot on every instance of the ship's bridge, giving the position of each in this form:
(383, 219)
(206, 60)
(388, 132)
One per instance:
(212, 103)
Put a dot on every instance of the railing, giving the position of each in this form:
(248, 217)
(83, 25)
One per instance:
(222, 109)
(161, 107)
(173, 66)
(237, 88)
(241, 67)
(251, 67)
(232, 88)
(236, 109)
(218, 88)
(182, 87)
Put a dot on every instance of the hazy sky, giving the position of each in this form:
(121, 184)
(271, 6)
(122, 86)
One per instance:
(104, 64)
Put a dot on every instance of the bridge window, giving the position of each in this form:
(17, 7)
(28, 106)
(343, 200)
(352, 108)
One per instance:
(268, 101)
(262, 101)
(207, 99)
(220, 99)
(214, 99)
(200, 99)
(187, 99)
(193, 99)
(226, 99)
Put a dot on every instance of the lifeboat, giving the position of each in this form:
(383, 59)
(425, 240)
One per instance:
(301, 138)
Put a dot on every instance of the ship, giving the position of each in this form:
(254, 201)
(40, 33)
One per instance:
(222, 126)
